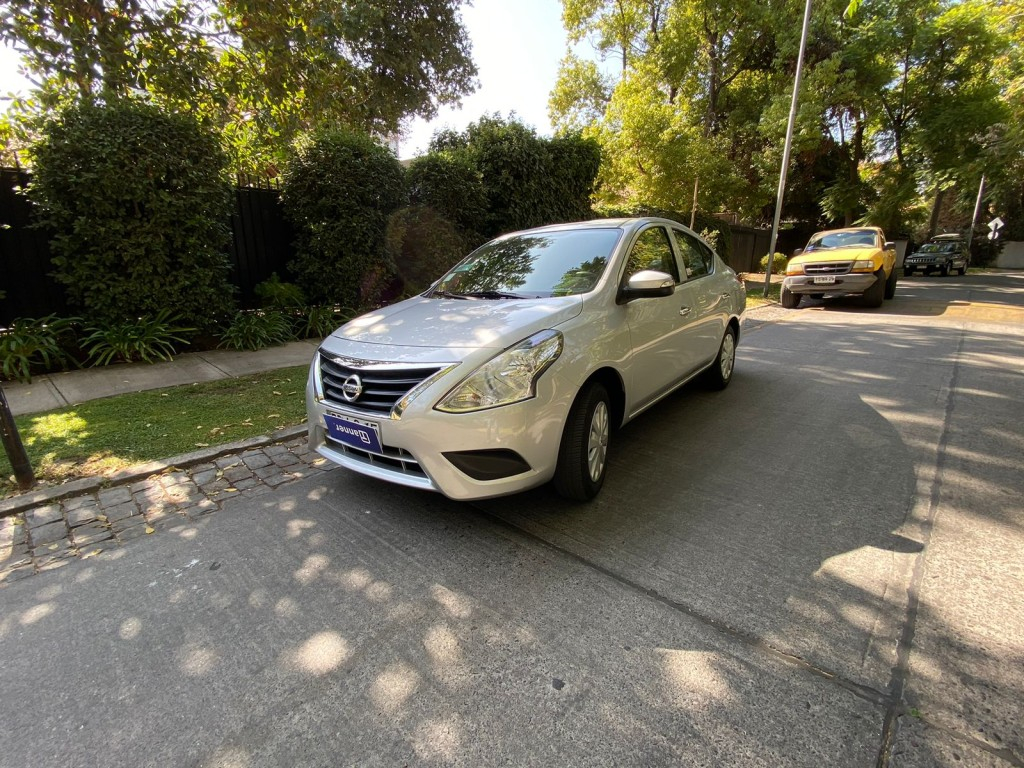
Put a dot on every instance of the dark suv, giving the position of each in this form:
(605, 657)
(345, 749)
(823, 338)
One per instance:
(943, 253)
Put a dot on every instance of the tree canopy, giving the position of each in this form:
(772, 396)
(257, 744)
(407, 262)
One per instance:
(260, 72)
(899, 103)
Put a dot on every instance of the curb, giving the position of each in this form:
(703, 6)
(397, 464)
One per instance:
(16, 504)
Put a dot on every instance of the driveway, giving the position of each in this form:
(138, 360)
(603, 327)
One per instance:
(819, 566)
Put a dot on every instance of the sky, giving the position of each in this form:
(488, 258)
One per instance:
(517, 46)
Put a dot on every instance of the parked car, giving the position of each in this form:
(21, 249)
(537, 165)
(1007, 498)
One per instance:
(514, 368)
(943, 253)
(841, 262)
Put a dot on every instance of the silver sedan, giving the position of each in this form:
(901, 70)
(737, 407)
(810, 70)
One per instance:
(516, 366)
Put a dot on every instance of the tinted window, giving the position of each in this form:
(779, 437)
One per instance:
(652, 250)
(534, 266)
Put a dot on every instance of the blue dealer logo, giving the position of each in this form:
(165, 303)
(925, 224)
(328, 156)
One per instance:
(360, 434)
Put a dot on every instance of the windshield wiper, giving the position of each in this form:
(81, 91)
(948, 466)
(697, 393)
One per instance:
(493, 295)
(447, 295)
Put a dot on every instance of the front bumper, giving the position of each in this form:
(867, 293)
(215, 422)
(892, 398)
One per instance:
(844, 284)
(926, 262)
(414, 446)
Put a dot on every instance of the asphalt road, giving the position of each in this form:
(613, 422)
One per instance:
(820, 566)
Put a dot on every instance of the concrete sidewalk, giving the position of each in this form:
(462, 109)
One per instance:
(62, 389)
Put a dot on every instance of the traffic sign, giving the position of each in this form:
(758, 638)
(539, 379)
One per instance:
(996, 224)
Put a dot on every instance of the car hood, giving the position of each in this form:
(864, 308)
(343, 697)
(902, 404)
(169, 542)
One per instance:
(465, 324)
(836, 254)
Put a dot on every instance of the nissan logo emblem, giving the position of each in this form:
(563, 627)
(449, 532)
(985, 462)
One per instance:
(352, 388)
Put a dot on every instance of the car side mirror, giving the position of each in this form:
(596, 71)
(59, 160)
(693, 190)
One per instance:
(647, 284)
(890, 245)
(797, 252)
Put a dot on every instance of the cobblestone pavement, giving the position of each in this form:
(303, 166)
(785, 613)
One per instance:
(52, 535)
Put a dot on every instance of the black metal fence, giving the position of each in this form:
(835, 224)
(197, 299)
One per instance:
(261, 245)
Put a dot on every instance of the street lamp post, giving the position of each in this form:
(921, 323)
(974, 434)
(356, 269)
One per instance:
(14, 447)
(786, 148)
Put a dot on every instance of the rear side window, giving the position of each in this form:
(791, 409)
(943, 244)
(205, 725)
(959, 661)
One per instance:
(697, 257)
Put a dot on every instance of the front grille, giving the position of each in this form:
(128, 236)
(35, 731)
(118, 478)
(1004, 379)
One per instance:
(828, 268)
(395, 459)
(383, 385)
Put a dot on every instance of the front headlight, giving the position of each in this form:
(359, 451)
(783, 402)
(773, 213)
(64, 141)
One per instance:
(507, 378)
(864, 266)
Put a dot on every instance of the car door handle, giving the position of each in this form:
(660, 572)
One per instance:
(684, 311)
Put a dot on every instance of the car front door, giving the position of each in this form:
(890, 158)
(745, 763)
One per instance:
(659, 328)
(710, 299)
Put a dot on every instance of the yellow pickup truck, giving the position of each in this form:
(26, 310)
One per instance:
(841, 262)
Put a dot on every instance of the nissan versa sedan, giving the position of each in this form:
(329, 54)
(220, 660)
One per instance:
(516, 366)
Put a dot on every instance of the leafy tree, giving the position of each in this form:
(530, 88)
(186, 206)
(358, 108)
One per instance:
(139, 203)
(262, 73)
(339, 191)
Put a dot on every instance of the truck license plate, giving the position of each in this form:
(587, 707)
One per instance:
(825, 280)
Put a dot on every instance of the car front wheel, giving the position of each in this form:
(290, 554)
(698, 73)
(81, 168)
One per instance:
(583, 454)
(788, 299)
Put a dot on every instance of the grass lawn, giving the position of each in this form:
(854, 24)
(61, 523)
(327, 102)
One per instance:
(102, 436)
(755, 291)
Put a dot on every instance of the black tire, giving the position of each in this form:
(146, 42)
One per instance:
(890, 284)
(963, 270)
(874, 295)
(944, 270)
(583, 454)
(719, 374)
(788, 299)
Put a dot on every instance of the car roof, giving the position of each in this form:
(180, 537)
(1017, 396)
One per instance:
(945, 238)
(617, 223)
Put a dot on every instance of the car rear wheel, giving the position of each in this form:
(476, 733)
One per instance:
(944, 270)
(583, 454)
(789, 299)
(874, 295)
(719, 374)
(890, 284)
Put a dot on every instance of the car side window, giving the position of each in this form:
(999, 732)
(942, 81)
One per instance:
(697, 257)
(652, 250)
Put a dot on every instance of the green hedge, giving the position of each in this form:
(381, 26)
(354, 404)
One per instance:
(339, 191)
(140, 205)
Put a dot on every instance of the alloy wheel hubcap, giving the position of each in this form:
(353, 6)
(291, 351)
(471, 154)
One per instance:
(597, 442)
(728, 356)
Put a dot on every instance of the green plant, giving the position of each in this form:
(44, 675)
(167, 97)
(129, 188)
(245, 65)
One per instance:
(423, 245)
(318, 322)
(778, 263)
(33, 343)
(338, 192)
(273, 293)
(139, 204)
(145, 339)
(256, 330)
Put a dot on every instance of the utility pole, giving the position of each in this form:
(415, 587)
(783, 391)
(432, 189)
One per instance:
(788, 145)
(974, 218)
(14, 447)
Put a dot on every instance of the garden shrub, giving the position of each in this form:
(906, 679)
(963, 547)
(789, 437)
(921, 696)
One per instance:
(256, 330)
(273, 293)
(318, 322)
(339, 190)
(449, 184)
(528, 181)
(423, 245)
(146, 339)
(35, 344)
(778, 263)
(140, 205)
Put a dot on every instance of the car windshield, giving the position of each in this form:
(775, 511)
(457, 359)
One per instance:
(856, 239)
(937, 248)
(536, 265)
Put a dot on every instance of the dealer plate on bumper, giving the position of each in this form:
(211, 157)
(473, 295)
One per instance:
(825, 280)
(364, 435)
